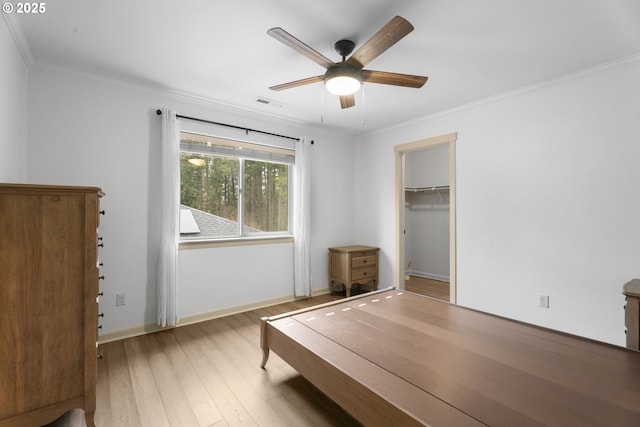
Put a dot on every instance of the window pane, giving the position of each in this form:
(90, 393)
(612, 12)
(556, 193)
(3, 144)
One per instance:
(266, 197)
(209, 189)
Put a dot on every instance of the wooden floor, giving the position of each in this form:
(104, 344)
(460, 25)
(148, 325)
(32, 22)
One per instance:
(428, 287)
(206, 375)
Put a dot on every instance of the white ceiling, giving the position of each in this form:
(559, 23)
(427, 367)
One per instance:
(219, 50)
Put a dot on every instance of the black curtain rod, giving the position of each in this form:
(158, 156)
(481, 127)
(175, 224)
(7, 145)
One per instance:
(159, 112)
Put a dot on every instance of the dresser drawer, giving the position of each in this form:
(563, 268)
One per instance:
(632, 314)
(362, 261)
(364, 273)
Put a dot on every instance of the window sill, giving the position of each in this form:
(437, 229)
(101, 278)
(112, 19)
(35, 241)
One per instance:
(240, 241)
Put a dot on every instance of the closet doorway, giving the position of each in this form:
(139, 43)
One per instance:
(425, 217)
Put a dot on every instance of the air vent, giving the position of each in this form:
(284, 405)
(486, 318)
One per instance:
(270, 102)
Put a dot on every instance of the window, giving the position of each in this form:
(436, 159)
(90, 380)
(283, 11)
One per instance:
(232, 189)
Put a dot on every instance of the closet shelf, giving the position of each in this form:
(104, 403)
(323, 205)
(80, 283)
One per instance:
(432, 188)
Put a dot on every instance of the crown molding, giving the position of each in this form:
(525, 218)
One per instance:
(630, 59)
(177, 96)
(19, 38)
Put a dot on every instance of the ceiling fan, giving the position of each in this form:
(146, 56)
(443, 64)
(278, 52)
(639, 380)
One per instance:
(344, 78)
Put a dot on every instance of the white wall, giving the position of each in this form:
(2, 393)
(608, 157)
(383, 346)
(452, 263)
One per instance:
(89, 131)
(547, 199)
(217, 278)
(427, 167)
(13, 109)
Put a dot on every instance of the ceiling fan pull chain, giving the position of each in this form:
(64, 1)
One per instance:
(322, 104)
(363, 104)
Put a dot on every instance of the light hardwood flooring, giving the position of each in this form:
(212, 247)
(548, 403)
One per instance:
(206, 375)
(428, 287)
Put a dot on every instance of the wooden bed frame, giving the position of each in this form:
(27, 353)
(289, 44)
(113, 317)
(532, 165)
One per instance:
(394, 358)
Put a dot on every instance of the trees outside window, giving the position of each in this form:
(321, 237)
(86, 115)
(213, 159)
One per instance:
(223, 191)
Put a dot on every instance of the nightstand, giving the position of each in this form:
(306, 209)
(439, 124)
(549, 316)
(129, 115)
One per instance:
(350, 265)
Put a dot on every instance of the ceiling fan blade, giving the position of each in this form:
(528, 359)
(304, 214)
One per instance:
(295, 44)
(297, 83)
(347, 101)
(395, 79)
(388, 35)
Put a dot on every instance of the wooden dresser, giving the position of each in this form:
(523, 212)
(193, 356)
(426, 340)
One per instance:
(48, 302)
(631, 290)
(350, 265)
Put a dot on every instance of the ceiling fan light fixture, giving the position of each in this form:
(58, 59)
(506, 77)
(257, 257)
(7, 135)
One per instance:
(343, 79)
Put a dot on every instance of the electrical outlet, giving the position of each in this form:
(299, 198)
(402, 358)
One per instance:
(544, 301)
(121, 298)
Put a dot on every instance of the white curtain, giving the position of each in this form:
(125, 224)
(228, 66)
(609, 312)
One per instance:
(302, 219)
(169, 219)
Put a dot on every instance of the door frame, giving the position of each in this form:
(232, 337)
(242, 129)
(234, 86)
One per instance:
(399, 200)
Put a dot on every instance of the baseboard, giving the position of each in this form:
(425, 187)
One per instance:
(151, 328)
(122, 334)
(427, 275)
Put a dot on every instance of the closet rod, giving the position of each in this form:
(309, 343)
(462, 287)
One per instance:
(159, 112)
(432, 188)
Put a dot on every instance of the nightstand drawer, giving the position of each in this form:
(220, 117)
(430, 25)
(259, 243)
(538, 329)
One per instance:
(363, 273)
(362, 261)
